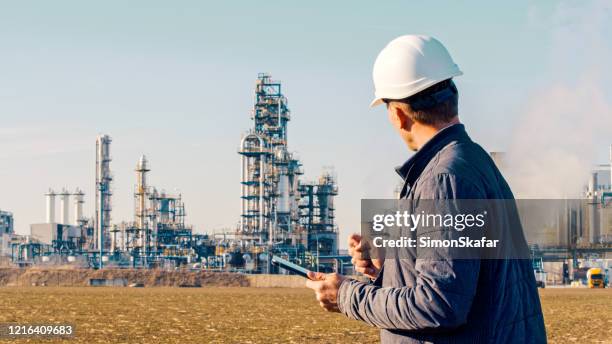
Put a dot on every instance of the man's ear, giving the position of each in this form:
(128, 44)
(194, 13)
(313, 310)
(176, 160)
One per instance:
(402, 117)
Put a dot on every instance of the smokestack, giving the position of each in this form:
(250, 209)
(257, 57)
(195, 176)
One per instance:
(50, 206)
(610, 167)
(78, 206)
(64, 206)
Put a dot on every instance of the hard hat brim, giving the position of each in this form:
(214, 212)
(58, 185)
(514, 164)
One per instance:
(376, 102)
(424, 85)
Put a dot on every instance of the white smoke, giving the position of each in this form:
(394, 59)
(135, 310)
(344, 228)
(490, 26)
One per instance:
(565, 125)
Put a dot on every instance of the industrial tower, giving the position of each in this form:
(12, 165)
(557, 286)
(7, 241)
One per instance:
(317, 214)
(141, 209)
(103, 191)
(278, 210)
(269, 171)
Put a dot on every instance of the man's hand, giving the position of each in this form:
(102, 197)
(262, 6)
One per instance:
(368, 267)
(326, 289)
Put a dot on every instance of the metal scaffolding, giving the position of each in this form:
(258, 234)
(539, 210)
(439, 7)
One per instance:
(317, 214)
(279, 211)
(269, 171)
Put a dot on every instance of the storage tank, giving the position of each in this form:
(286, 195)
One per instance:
(64, 207)
(78, 206)
(50, 206)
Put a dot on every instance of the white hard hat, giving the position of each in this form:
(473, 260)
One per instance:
(408, 65)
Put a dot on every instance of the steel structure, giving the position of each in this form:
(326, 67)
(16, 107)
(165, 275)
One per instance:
(270, 172)
(317, 214)
(103, 192)
(141, 212)
(280, 214)
(6, 222)
(598, 215)
(159, 231)
(158, 236)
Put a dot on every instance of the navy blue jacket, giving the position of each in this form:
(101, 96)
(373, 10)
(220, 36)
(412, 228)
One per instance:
(450, 300)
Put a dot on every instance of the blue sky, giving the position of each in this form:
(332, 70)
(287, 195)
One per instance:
(174, 81)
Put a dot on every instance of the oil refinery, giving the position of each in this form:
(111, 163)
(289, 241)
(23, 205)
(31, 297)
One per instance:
(281, 213)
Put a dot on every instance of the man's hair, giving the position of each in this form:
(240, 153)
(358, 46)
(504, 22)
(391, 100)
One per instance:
(437, 104)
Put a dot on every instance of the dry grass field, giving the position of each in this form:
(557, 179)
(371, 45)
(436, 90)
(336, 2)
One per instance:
(248, 315)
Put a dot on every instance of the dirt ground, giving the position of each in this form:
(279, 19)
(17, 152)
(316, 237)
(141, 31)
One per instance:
(248, 315)
(577, 315)
(71, 277)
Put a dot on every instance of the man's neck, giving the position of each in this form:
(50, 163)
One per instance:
(423, 133)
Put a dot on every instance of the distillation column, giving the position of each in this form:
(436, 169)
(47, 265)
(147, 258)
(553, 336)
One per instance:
(253, 151)
(141, 209)
(78, 207)
(103, 190)
(268, 169)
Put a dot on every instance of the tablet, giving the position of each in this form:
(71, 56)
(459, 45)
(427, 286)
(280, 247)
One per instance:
(287, 265)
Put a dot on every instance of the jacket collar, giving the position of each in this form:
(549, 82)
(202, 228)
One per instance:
(413, 167)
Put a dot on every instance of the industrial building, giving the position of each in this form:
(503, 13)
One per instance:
(281, 213)
(568, 236)
(6, 232)
(582, 221)
(158, 235)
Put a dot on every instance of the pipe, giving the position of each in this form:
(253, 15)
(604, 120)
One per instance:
(101, 190)
(113, 232)
(242, 191)
(262, 170)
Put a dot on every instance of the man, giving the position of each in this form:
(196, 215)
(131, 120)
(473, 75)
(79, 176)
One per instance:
(447, 300)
